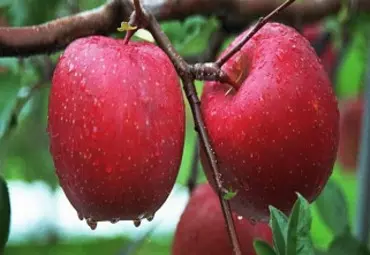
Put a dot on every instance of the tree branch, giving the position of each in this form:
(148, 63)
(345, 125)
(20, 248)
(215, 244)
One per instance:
(57, 34)
(188, 74)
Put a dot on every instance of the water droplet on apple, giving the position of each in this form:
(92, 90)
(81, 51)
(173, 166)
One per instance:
(253, 221)
(115, 220)
(70, 67)
(108, 169)
(95, 163)
(91, 223)
(137, 223)
(240, 217)
(150, 217)
(80, 216)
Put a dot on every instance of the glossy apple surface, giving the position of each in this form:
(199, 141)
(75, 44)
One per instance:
(116, 126)
(277, 132)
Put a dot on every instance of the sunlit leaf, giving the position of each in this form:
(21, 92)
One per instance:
(279, 226)
(298, 237)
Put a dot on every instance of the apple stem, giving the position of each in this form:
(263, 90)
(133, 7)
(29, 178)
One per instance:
(363, 175)
(261, 22)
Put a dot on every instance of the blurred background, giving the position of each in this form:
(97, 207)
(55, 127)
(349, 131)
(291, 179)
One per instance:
(43, 221)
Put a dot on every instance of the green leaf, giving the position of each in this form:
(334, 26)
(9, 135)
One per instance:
(349, 79)
(191, 36)
(298, 236)
(229, 194)
(279, 226)
(4, 214)
(333, 209)
(32, 12)
(263, 248)
(346, 244)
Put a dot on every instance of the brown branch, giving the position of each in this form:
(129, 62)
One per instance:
(57, 34)
(187, 77)
(188, 74)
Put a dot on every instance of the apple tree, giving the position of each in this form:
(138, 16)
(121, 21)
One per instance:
(112, 91)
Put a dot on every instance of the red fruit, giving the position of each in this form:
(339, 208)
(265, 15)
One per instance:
(312, 32)
(3, 23)
(277, 133)
(202, 228)
(350, 132)
(116, 126)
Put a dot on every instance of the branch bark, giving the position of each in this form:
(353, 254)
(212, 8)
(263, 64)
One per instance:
(207, 71)
(57, 34)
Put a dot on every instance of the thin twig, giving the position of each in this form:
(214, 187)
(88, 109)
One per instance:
(261, 22)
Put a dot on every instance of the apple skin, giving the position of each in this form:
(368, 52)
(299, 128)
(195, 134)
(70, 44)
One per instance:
(351, 111)
(202, 229)
(277, 133)
(116, 125)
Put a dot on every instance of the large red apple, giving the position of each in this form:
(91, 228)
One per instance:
(202, 229)
(277, 132)
(116, 126)
(350, 132)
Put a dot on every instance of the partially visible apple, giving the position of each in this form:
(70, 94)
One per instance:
(351, 111)
(3, 23)
(116, 126)
(276, 133)
(313, 32)
(202, 229)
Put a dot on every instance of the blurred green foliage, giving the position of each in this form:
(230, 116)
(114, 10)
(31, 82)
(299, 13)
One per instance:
(24, 155)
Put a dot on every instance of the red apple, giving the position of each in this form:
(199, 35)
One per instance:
(276, 133)
(202, 229)
(351, 111)
(312, 32)
(116, 126)
(3, 23)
